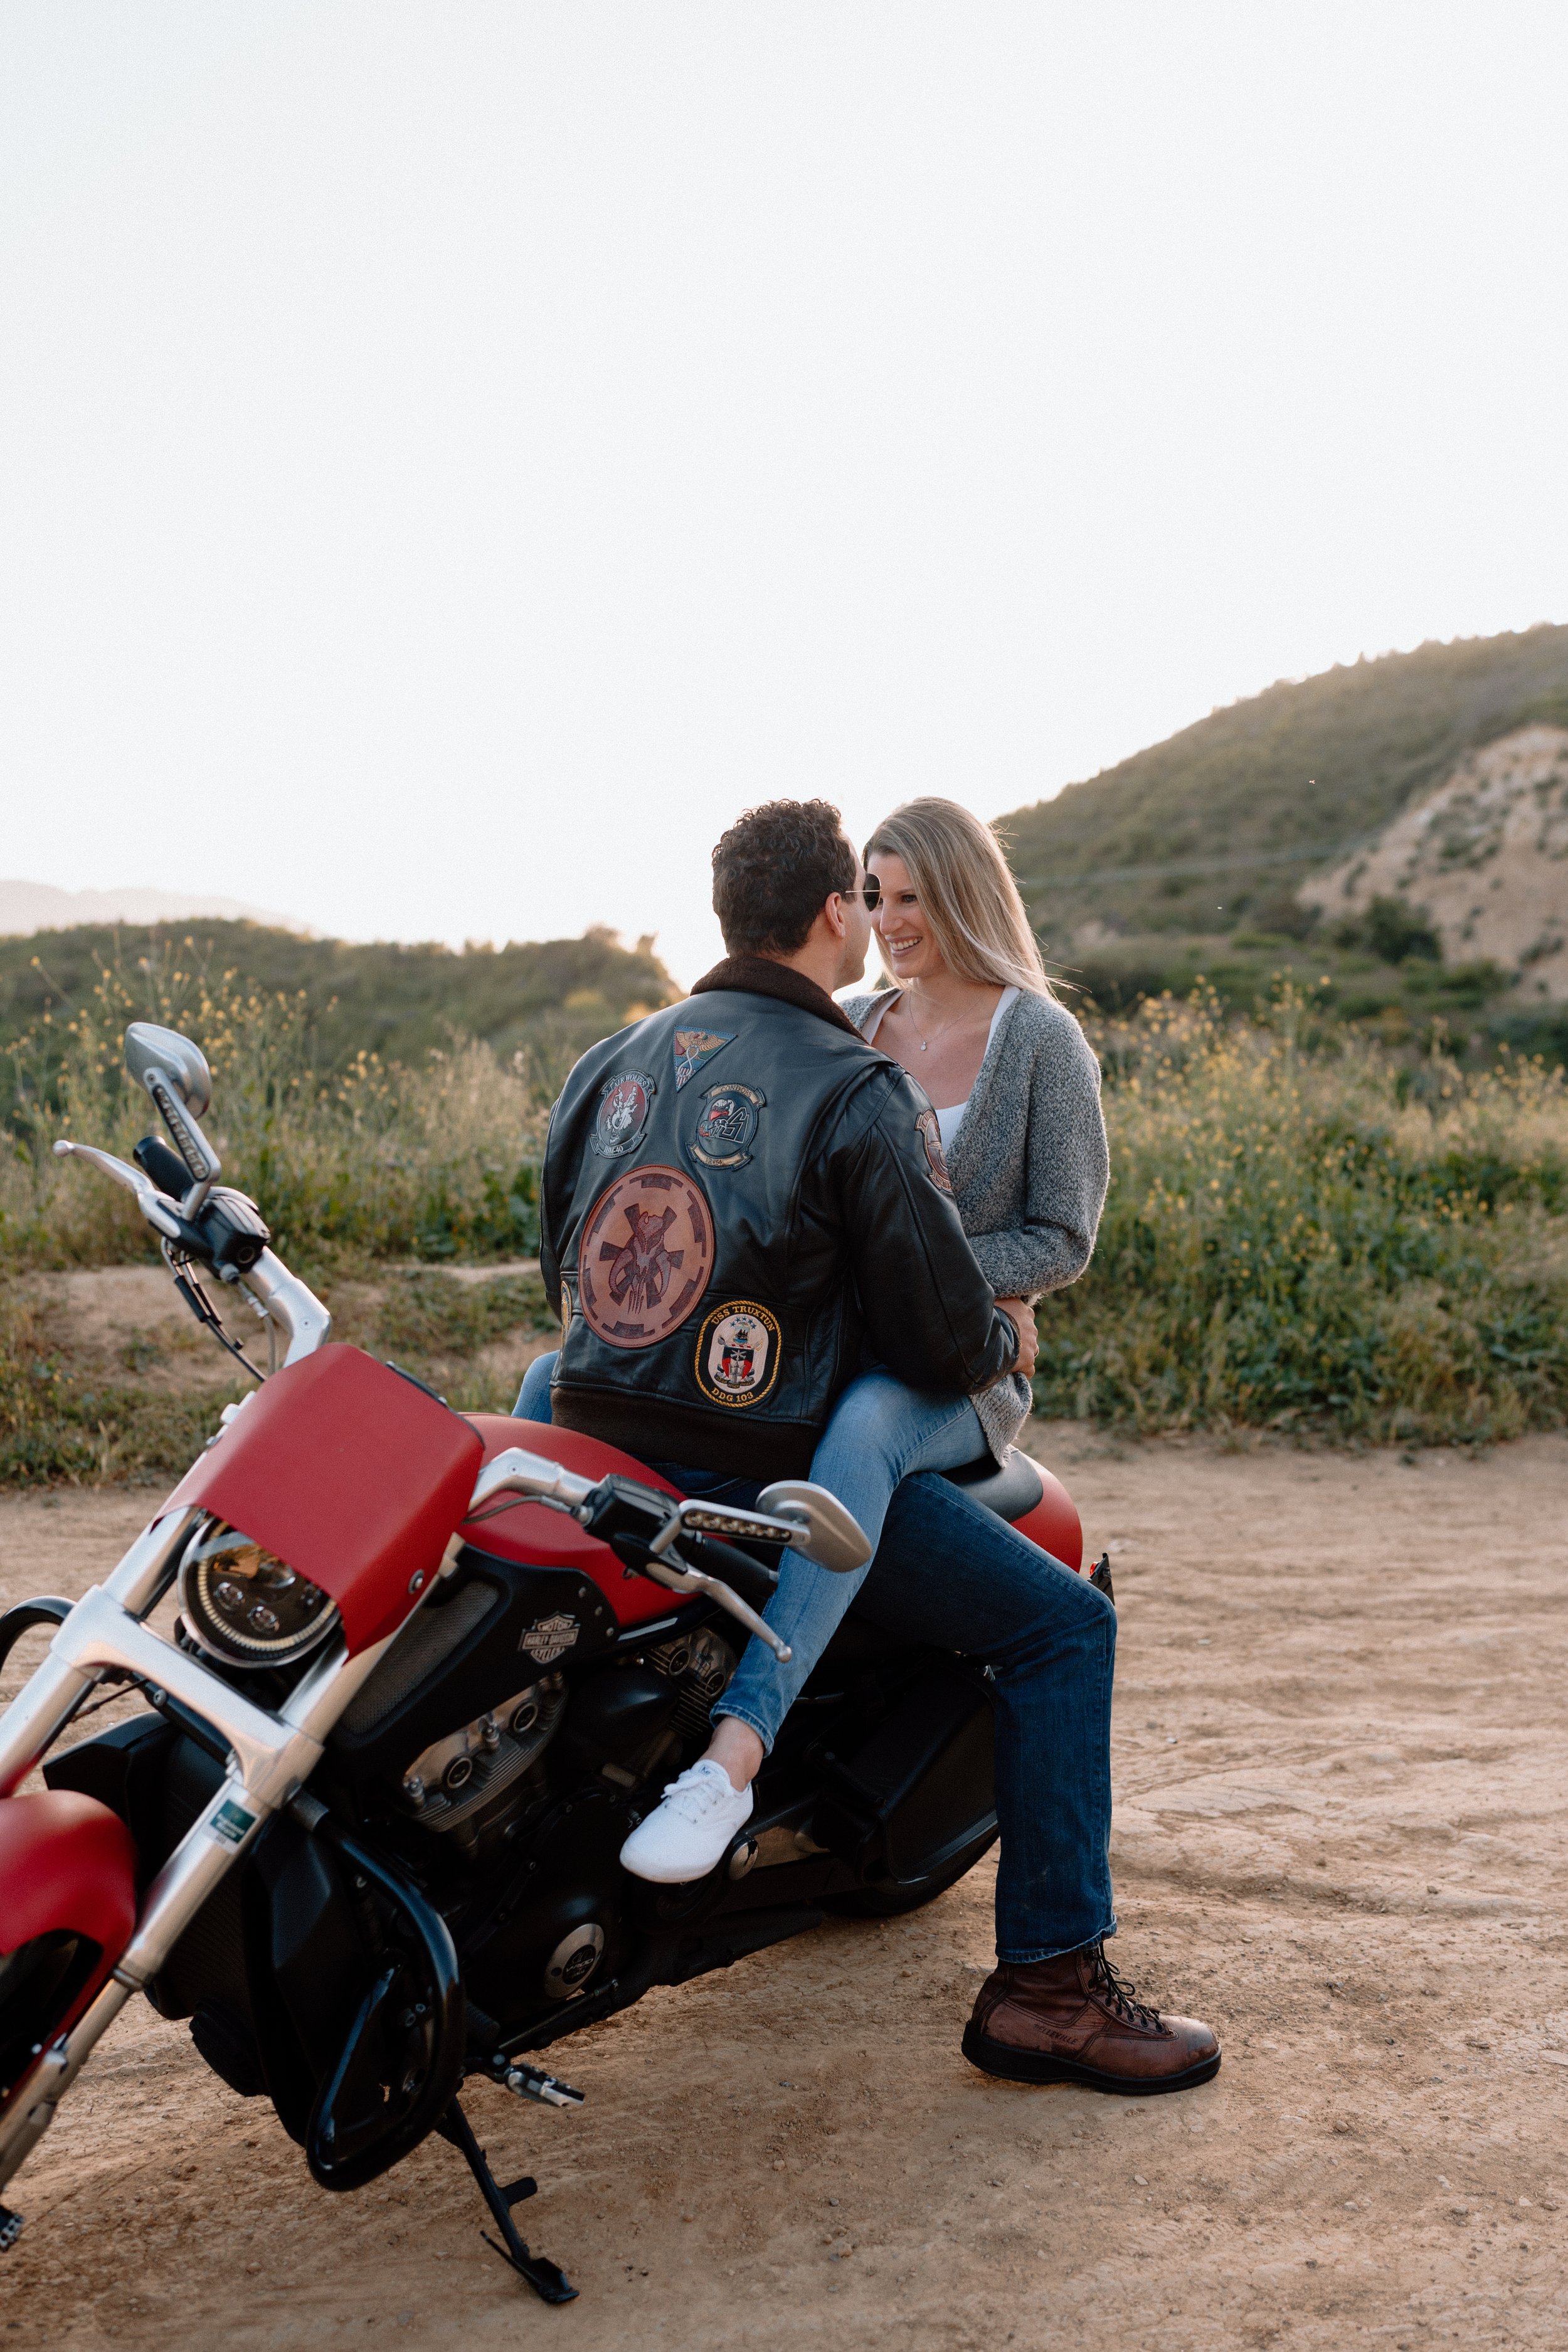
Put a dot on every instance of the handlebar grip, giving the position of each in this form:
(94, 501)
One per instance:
(166, 1169)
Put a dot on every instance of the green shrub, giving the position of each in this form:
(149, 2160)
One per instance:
(1322, 1241)
(370, 1163)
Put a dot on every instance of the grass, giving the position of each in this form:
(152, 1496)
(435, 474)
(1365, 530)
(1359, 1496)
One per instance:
(1330, 1241)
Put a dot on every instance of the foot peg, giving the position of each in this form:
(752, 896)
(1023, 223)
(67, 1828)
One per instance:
(532, 2083)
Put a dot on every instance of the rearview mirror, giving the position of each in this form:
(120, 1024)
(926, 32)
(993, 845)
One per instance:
(149, 1048)
(832, 1535)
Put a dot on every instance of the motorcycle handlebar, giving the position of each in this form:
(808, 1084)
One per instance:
(532, 1477)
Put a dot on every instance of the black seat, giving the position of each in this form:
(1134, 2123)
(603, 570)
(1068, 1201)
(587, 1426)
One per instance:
(1009, 1492)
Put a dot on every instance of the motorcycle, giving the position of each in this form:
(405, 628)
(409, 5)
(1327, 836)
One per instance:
(425, 1674)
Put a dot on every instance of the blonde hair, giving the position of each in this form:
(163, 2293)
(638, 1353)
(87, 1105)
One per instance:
(966, 891)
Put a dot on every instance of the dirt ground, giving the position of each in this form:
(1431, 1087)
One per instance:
(1341, 1709)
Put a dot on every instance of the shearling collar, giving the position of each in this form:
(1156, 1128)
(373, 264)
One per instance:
(760, 976)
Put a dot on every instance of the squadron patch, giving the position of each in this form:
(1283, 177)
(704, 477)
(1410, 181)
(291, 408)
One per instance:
(738, 1353)
(936, 1160)
(727, 1126)
(694, 1046)
(625, 1102)
(644, 1257)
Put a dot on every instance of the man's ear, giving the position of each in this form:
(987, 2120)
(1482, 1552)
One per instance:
(834, 915)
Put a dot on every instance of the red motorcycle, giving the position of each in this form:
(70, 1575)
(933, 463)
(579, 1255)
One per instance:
(421, 1681)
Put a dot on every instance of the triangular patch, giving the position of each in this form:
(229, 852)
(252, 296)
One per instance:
(694, 1046)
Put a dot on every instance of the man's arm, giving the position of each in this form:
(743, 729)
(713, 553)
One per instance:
(931, 1313)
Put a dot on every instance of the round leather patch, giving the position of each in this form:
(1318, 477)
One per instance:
(646, 1256)
(738, 1353)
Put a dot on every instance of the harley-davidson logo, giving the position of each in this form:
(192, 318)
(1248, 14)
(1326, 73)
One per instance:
(550, 1639)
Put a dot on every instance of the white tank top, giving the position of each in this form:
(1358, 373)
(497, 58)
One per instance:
(950, 1121)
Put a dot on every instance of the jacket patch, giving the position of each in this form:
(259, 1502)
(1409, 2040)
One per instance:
(694, 1046)
(738, 1353)
(621, 1119)
(646, 1256)
(727, 1126)
(936, 1159)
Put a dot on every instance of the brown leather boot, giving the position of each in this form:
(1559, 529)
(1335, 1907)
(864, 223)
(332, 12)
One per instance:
(1072, 2020)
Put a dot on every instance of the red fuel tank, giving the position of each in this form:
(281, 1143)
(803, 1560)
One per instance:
(540, 1537)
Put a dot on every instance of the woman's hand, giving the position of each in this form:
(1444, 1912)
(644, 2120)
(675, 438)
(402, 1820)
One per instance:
(1021, 1315)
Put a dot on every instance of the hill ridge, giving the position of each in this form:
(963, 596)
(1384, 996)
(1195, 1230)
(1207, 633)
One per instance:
(1307, 771)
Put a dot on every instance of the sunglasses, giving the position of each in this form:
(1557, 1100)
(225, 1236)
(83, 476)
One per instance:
(873, 893)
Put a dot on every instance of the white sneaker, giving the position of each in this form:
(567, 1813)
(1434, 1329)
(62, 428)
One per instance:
(685, 1835)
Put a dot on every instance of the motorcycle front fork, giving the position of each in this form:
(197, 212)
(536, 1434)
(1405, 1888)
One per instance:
(269, 1758)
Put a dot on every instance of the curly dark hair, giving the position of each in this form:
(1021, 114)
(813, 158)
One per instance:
(773, 870)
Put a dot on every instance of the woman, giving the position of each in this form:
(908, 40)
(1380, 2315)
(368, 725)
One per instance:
(970, 1015)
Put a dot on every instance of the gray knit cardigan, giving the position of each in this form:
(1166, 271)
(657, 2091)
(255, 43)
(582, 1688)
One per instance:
(1029, 1168)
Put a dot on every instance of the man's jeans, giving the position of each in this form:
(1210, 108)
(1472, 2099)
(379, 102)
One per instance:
(953, 1575)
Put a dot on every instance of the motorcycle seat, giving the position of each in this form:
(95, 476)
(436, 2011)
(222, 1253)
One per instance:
(1011, 1492)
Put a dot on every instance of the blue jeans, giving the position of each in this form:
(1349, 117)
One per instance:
(533, 1396)
(954, 1576)
(881, 1433)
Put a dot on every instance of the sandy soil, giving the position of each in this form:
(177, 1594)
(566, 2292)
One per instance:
(1341, 1835)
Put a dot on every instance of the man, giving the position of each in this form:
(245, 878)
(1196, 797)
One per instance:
(730, 1246)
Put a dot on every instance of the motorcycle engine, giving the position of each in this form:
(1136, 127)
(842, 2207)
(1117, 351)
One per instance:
(465, 1773)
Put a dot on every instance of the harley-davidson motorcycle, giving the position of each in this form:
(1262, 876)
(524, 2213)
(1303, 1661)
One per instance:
(416, 1677)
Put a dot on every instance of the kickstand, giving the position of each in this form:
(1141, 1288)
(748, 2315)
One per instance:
(542, 2276)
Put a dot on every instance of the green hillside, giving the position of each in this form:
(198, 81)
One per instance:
(392, 1001)
(1216, 826)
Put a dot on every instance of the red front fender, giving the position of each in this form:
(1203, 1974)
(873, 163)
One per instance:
(67, 1907)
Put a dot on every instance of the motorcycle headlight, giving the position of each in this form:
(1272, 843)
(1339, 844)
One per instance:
(246, 1606)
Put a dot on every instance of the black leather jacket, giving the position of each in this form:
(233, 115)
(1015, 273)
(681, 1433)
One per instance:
(744, 1204)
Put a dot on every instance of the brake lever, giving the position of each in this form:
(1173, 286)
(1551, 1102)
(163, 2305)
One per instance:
(160, 1215)
(668, 1568)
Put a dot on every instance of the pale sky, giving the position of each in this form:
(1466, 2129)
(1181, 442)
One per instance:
(454, 457)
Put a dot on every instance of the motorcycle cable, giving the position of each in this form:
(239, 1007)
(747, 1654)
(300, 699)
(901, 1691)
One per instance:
(202, 1308)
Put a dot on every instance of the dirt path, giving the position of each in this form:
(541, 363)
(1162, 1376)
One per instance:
(1339, 1741)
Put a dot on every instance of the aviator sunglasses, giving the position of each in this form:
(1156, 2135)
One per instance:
(873, 893)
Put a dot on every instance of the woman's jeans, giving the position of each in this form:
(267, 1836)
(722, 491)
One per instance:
(879, 1434)
(533, 1396)
(952, 1575)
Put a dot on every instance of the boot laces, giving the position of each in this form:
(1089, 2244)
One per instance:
(1120, 1996)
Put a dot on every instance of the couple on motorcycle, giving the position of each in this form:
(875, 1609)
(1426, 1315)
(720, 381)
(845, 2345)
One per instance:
(765, 1269)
